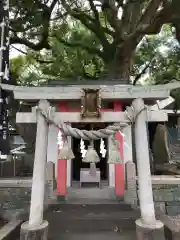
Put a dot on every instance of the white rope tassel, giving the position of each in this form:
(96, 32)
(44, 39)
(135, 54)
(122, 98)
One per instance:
(91, 154)
(92, 158)
(65, 152)
(114, 155)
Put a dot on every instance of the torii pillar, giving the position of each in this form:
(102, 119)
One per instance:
(36, 227)
(147, 227)
(119, 168)
(62, 167)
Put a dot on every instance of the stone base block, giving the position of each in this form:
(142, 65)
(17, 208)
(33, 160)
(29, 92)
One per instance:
(148, 232)
(34, 233)
(120, 198)
(61, 198)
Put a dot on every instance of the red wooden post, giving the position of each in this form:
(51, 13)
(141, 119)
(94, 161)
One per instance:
(62, 167)
(119, 168)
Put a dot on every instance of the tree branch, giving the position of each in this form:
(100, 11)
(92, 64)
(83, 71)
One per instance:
(83, 46)
(150, 12)
(176, 24)
(43, 42)
(96, 14)
(111, 13)
(120, 3)
(97, 20)
(19, 50)
(139, 75)
(37, 59)
(53, 4)
(168, 14)
(36, 47)
(89, 22)
(132, 11)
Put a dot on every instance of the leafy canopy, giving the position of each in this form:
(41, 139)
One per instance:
(117, 27)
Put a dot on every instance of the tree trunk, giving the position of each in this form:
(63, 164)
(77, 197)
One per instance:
(120, 68)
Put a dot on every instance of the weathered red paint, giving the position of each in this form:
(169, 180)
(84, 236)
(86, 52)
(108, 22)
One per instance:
(119, 168)
(62, 165)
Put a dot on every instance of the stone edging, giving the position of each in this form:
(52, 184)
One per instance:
(7, 231)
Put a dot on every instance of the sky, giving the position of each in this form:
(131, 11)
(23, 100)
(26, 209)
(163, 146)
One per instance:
(14, 53)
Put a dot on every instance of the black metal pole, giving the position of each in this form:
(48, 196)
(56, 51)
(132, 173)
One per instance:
(4, 76)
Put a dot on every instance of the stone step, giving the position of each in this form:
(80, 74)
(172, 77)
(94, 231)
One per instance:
(175, 157)
(78, 208)
(74, 218)
(123, 235)
(106, 193)
(92, 201)
(90, 225)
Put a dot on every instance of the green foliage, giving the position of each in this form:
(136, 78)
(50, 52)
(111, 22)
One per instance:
(159, 53)
(111, 32)
(61, 62)
(162, 55)
(25, 70)
(73, 61)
